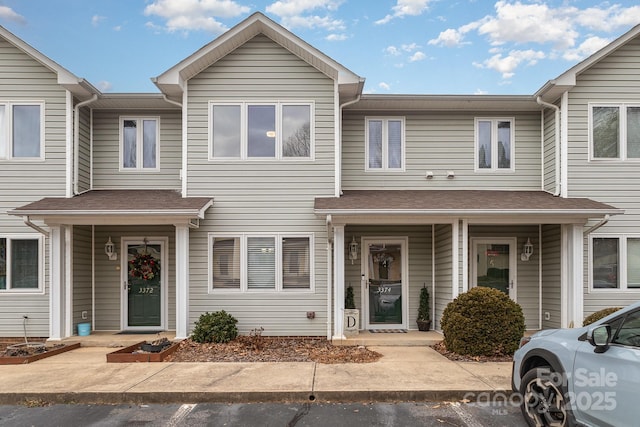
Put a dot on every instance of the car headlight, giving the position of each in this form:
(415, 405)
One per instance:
(524, 340)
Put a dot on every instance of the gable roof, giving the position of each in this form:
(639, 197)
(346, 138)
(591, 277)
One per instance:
(78, 86)
(172, 81)
(553, 89)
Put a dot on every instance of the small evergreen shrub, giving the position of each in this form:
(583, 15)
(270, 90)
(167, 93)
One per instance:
(483, 322)
(594, 317)
(218, 327)
(424, 311)
(349, 302)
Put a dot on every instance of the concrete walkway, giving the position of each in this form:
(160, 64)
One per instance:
(402, 374)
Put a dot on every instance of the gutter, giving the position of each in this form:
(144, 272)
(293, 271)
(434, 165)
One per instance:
(557, 143)
(329, 275)
(76, 140)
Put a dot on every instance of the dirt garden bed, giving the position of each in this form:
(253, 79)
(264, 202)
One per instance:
(272, 349)
(156, 351)
(13, 352)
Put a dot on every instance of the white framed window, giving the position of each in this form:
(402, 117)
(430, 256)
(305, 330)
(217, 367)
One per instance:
(280, 130)
(384, 144)
(260, 262)
(614, 131)
(22, 130)
(494, 144)
(139, 143)
(21, 261)
(615, 262)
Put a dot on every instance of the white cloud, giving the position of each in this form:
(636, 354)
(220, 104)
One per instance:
(418, 56)
(586, 48)
(392, 50)
(448, 38)
(405, 8)
(186, 15)
(307, 14)
(410, 47)
(96, 19)
(609, 19)
(506, 65)
(104, 86)
(385, 86)
(8, 14)
(336, 37)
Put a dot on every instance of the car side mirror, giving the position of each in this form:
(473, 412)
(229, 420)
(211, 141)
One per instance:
(599, 337)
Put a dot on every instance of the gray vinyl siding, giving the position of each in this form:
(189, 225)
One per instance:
(261, 196)
(23, 78)
(549, 155)
(106, 151)
(84, 150)
(441, 142)
(444, 271)
(82, 278)
(108, 278)
(551, 276)
(527, 272)
(420, 262)
(612, 80)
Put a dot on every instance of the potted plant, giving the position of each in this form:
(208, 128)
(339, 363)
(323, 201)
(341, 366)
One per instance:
(351, 314)
(424, 317)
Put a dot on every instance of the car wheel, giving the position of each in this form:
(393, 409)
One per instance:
(544, 401)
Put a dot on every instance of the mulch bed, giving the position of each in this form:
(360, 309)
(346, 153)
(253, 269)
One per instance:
(442, 349)
(272, 349)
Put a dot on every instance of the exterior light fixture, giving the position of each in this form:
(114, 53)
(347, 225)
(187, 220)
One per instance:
(527, 250)
(353, 249)
(110, 250)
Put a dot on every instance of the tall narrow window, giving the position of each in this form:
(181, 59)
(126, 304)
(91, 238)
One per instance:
(261, 137)
(633, 132)
(21, 131)
(494, 144)
(226, 131)
(4, 128)
(295, 263)
(385, 144)
(226, 263)
(296, 131)
(633, 263)
(605, 262)
(606, 132)
(139, 143)
(261, 263)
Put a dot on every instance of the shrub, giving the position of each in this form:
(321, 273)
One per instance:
(482, 322)
(594, 317)
(218, 327)
(424, 311)
(349, 302)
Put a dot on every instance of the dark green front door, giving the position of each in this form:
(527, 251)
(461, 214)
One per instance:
(144, 290)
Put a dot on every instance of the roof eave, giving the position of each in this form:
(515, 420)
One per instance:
(586, 213)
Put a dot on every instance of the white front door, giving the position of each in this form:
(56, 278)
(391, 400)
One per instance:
(384, 288)
(494, 264)
(144, 271)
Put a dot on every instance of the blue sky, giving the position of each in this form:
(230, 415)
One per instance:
(399, 46)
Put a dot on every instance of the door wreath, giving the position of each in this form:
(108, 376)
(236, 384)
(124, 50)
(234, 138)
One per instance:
(144, 266)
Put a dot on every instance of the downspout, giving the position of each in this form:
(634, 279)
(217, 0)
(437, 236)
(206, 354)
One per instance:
(602, 222)
(558, 141)
(329, 275)
(39, 229)
(338, 152)
(171, 101)
(76, 140)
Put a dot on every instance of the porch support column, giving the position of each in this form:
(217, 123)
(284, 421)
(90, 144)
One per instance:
(56, 286)
(338, 296)
(572, 275)
(182, 281)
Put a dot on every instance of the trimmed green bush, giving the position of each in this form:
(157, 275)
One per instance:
(349, 302)
(594, 317)
(218, 327)
(424, 310)
(483, 322)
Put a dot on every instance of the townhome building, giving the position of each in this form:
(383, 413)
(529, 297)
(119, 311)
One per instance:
(262, 181)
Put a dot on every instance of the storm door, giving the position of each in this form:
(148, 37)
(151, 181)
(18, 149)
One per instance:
(493, 264)
(385, 283)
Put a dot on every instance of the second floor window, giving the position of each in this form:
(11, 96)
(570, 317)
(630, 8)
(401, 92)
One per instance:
(139, 146)
(21, 130)
(494, 144)
(385, 143)
(246, 130)
(615, 131)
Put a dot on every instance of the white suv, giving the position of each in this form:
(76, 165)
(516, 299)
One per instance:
(586, 376)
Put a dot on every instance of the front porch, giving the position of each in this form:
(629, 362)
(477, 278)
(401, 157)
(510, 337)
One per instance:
(405, 339)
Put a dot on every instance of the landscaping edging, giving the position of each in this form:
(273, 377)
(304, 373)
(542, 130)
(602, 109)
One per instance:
(19, 360)
(129, 354)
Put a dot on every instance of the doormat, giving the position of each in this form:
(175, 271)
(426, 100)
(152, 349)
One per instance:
(388, 331)
(138, 332)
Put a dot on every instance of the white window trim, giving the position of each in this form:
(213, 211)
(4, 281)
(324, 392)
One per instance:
(622, 132)
(385, 144)
(41, 260)
(139, 145)
(494, 144)
(244, 122)
(244, 263)
(8, 136)
(622, 263)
